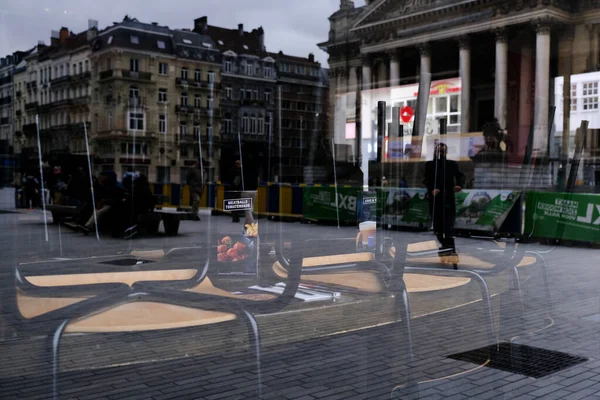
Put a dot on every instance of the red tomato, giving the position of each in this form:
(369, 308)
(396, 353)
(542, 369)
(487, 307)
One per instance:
(232, 253)
(239, 247)
(226, 240)
(222, 249)
(222, 258)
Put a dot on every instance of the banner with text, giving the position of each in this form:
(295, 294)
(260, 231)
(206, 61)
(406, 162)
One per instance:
(484, 210)
(320, 203)
(563, 216)
(405, 207)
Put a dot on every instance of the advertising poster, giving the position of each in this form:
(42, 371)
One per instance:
(237, 243)
(320, 203)
(405, 207)
(484, 210)
(563, 216)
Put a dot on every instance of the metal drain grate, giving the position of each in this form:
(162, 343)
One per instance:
(126, 262)
(520, 359)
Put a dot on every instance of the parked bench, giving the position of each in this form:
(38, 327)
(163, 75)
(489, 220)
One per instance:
(170, 218)
(62, 213)
(151, 221)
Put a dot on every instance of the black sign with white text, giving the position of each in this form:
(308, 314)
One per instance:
(244, 204)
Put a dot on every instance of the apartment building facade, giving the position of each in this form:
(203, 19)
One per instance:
(304, 88)
(248, 87)
(8, 66)
(154, 100)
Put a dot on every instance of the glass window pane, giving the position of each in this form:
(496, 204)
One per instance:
(441, 105)
(454, 103)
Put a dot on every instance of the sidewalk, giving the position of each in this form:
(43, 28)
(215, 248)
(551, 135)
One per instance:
(7, 199)
(346, 351)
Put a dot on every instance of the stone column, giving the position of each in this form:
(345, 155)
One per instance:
(465, 83)
(394, 68)
(500, 92)
(382, 71)
(542, 88)
(352, 80)
(565, 70)
(339, 88)
(366, 123)
(525, 98)
(366, 73)
(424, 84)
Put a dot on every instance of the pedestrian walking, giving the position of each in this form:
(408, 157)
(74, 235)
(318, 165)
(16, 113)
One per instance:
(443, 179)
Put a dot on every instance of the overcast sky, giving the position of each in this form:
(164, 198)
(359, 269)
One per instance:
(295, 27)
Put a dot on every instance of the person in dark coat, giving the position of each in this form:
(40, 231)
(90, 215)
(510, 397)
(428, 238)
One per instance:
(237, 185)
(196, 181)
(139, 200)
(443, 178)
(108, 193)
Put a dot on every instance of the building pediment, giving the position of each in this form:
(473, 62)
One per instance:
(384, 11)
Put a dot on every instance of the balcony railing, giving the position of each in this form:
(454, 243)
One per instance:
(252, 102)
(32, 106)
(140, 76)
(186, 138)
(55, 104)
(136, 102)
(81, 101)
(185, 109)
(192, 84)
(79, 126)
(206, 112)
(5, 100)
(106, 74)
(30, 129)
(82, 76)
(62, 79)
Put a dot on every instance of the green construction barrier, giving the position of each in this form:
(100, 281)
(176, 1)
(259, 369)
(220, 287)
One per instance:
(563, 216)
(320, 203)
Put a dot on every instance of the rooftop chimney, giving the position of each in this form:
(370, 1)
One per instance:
(241, 29)
(2, 62)
(64, 34)
(201, 24)
(311, 57)
(261, 38)
(10, 59)
(91, 34)
(54, 38)
(346, 4)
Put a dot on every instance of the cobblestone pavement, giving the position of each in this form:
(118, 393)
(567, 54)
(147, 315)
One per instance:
(320, 353)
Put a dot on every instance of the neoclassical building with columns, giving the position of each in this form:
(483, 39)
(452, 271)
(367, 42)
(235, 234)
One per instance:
(486, 59)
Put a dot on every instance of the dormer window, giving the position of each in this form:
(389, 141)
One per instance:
(208, 45)
(135, 39)
(110, 39)
(187, 41)
(160, 44)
